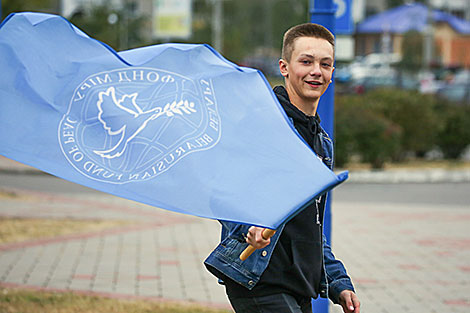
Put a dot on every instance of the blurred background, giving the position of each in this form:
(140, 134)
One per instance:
(402, 73)
(402, 105)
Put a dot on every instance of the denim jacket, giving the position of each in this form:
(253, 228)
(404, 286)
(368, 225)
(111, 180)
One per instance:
(225, 258)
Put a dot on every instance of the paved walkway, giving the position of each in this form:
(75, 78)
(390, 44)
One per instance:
(402, 258)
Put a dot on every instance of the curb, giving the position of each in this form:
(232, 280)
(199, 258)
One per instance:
(411, 176)
(390, 176)
(25, 171)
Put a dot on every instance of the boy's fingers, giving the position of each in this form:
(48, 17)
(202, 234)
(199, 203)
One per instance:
(356, 304)
(255, 237)
(350, 302)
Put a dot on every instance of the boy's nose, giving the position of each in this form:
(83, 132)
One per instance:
(315, 70)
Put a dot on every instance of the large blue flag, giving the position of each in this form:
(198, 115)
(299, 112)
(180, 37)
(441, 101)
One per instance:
(175, 125)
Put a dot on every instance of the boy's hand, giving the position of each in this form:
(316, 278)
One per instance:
(349, 301)
(255, 237)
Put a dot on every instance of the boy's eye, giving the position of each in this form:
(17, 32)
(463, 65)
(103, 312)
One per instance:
(326, 64)
(305, 61)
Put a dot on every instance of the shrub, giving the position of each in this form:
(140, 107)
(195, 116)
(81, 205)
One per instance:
(345, 126)
(364, 132)
(387, 124)
(455, 135)
(415, 113)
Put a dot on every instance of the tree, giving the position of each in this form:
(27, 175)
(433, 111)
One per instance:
(412, 52)
(251, 26)
(97, 22)
(202, 12)
(11, 6)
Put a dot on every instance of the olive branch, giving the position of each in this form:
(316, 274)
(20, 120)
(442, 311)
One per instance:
(178, 108)
(170, 109)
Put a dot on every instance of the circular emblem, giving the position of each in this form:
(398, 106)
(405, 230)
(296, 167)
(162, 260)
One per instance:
(133, 124)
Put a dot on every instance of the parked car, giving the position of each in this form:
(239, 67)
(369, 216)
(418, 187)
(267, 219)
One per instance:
(375, 64)
(462, 77)
(429, 84)
(368, 83)
(457, 92)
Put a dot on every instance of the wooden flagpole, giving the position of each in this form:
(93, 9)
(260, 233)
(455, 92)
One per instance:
(267, 233)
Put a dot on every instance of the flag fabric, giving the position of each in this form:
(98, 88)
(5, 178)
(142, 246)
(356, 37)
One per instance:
(175, 126)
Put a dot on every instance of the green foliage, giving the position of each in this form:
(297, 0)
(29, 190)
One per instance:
(416, 114)
(251, 25)
(455, 135)
(394, 3)
(380, 139)
(202, 10)
(412, 51)
(364, 132)
(248, 26)
(11, 6)
(385, 125)
(124, 34)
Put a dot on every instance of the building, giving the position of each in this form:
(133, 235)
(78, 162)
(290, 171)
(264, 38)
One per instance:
(385, 32)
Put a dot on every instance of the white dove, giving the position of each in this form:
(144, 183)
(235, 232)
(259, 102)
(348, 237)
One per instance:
(121, 120)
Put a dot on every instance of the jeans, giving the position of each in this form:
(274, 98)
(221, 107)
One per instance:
(277, 303)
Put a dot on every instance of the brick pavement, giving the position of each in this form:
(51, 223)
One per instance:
(157, 257)
(405, 258)
(402, 257)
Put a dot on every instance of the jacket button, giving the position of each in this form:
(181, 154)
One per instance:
(264, 253)
(251, 283)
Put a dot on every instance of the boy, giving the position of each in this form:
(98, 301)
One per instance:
(296, 264)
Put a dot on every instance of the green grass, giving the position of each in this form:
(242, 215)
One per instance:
(30, 301)
(13, 300)
(14, 230)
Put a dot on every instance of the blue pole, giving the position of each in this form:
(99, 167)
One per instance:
(323, 12)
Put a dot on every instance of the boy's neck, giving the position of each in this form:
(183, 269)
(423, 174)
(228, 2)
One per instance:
(308, 108)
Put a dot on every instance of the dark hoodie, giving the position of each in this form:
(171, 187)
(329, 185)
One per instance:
(307, 126)
(297, 260)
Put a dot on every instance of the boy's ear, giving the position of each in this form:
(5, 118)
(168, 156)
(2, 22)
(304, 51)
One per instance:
(283, 67)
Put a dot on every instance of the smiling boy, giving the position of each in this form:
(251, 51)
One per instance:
(296, 264)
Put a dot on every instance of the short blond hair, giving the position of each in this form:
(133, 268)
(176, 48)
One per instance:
(304, 30)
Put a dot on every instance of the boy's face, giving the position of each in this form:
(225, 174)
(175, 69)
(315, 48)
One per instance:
(309, 71)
